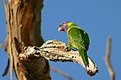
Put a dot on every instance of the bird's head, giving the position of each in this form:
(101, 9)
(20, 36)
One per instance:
(65, 26)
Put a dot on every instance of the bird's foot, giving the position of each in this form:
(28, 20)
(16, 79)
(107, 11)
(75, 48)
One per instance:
(68, 49)
(74, 49)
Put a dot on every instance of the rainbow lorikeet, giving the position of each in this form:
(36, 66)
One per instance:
(77, 38)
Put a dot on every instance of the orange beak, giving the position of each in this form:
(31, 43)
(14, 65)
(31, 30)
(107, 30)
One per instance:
(60, 29)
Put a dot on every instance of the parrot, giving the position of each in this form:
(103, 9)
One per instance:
(77, 38)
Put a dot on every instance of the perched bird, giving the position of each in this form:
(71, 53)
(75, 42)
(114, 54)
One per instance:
(77, 38)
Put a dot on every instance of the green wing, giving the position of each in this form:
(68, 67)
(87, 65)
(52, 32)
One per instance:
(79, 37)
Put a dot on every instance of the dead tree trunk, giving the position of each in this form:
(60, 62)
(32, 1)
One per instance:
(23, 19)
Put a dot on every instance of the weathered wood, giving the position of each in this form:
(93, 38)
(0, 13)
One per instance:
(23, 18)
(54, 50)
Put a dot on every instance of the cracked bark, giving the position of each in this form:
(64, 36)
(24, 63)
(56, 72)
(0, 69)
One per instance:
(23, 29)
(55, 50)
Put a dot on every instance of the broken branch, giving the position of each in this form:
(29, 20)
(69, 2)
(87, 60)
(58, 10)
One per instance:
(54, 50)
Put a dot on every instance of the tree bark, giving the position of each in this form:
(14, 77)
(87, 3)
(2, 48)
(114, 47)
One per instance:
(23, 18)
(55, 50)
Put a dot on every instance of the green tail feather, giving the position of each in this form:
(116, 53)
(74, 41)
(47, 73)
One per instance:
(83, 54)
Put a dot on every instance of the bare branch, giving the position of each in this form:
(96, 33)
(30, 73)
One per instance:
(4, 6)
(0, 45)
(107, 59)
(6, 69)
(61, 73)
(56, 51)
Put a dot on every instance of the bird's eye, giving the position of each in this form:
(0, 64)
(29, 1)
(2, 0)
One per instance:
(63, 29)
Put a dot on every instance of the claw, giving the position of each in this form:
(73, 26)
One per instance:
(68, 49)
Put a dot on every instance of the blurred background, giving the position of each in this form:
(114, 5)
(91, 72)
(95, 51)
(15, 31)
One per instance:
(99, 19)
